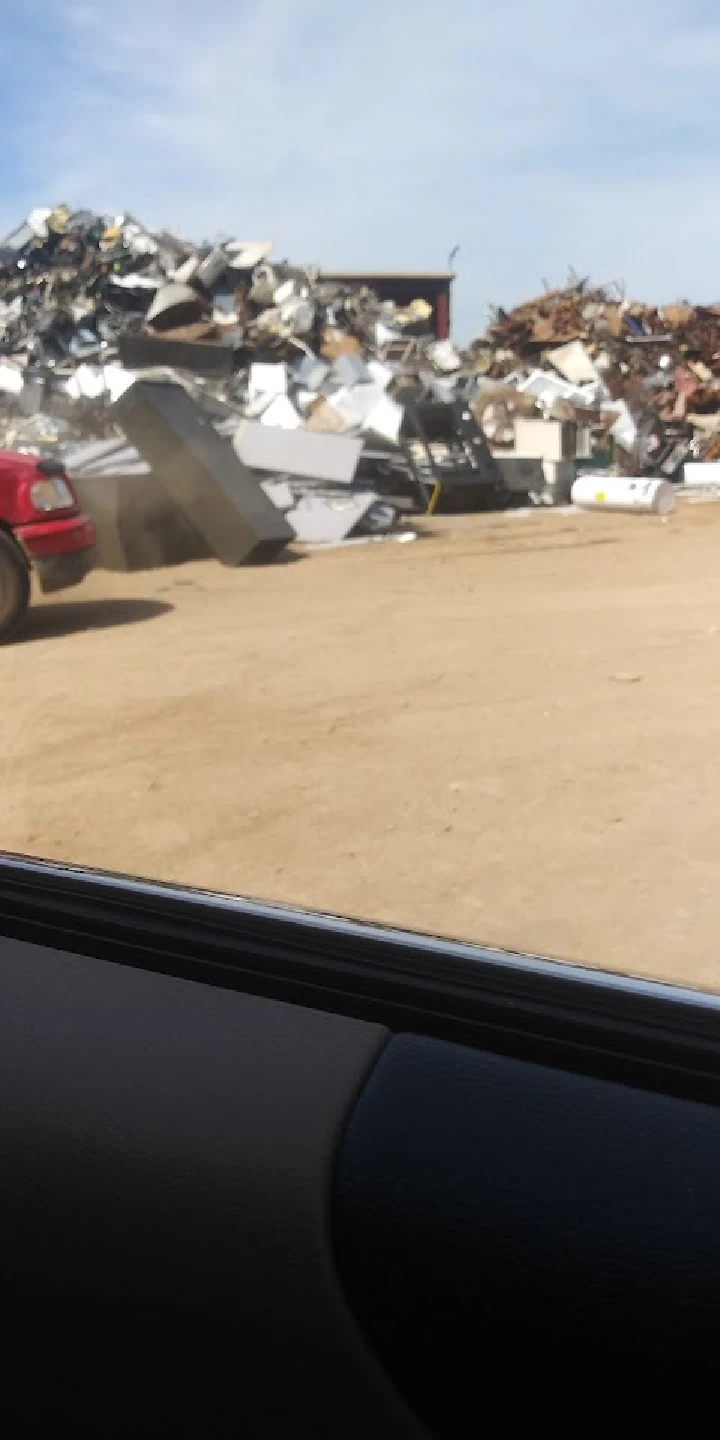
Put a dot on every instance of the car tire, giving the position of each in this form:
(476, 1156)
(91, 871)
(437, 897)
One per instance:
(14, 587)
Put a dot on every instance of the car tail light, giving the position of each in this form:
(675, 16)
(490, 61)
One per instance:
(52, 494)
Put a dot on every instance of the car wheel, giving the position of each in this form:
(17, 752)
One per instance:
(14, 587)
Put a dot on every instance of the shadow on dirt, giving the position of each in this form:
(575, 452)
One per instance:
(47, 621)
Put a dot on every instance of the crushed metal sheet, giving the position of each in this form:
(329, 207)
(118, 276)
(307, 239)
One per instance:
(299, 453)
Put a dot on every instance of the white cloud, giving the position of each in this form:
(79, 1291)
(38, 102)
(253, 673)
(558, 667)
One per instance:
(533, 136)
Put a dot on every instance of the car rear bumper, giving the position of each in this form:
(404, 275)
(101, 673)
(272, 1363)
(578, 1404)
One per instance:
(62, 552)
(61, 572)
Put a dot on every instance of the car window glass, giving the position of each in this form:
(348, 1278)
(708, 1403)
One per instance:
(360, 427)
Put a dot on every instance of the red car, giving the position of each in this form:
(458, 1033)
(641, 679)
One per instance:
(41, 528)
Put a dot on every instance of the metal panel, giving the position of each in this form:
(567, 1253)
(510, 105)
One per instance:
(202, 473)
(303, 453)
(202, 357)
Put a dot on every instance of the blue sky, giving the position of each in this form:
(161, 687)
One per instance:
(534, 136)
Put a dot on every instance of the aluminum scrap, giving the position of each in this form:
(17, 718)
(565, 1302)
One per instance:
(89, 303)
(84, 296)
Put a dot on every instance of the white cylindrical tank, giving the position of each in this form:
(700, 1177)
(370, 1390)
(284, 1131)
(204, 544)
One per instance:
(624, 492)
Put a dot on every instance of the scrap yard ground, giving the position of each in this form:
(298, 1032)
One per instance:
(507, 731)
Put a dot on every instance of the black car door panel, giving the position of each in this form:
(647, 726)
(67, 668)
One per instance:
(169, 1146)
(486, 1207)
(355, 1178)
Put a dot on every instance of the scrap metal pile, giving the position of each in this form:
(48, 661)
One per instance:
(344, 409)
(86, 299)
(647, 378)
(90, 305)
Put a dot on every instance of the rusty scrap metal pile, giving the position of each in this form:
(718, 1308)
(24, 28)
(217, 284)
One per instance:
(645, 377)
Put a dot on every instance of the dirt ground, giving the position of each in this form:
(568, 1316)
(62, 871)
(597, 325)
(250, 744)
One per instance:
(507, 731)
